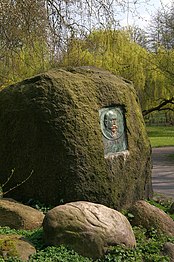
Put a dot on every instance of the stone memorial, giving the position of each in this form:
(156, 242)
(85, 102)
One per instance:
(81, 134)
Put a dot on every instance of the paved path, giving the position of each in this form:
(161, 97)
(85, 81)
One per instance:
(163, 171)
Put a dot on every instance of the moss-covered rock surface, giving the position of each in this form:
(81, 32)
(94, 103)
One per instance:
(15, 246)
(50, 124)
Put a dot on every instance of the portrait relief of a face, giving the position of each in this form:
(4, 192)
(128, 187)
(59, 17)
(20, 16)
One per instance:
(112, 127)
(110, 123)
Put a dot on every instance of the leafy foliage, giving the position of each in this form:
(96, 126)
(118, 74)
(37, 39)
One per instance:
(149, 247)
(114, 50)
(109, 49)
(58, 254)
(39, 206)
(23, 47)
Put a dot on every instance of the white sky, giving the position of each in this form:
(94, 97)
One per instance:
(144, 11)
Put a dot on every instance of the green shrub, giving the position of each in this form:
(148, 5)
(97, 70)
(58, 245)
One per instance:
(58, 254)
(38, 205)
(149, 248)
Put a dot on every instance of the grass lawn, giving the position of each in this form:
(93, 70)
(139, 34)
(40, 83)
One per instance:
(161, 135)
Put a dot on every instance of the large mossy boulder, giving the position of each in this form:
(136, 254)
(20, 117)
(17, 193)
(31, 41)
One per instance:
(50, 126)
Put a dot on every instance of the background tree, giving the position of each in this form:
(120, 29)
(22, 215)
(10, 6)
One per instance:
(161, 46)
(161, 28)
(23, 30)
(138, 35)
(113, 50)
(43, 28)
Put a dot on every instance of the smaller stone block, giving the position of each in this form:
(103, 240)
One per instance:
(150, 216)
(19, 216)
(169, 250)
(87, 228)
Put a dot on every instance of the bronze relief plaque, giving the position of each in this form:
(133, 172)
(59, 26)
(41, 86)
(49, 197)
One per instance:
(112, 124)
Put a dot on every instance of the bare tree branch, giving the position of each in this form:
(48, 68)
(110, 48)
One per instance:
(160, 107)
